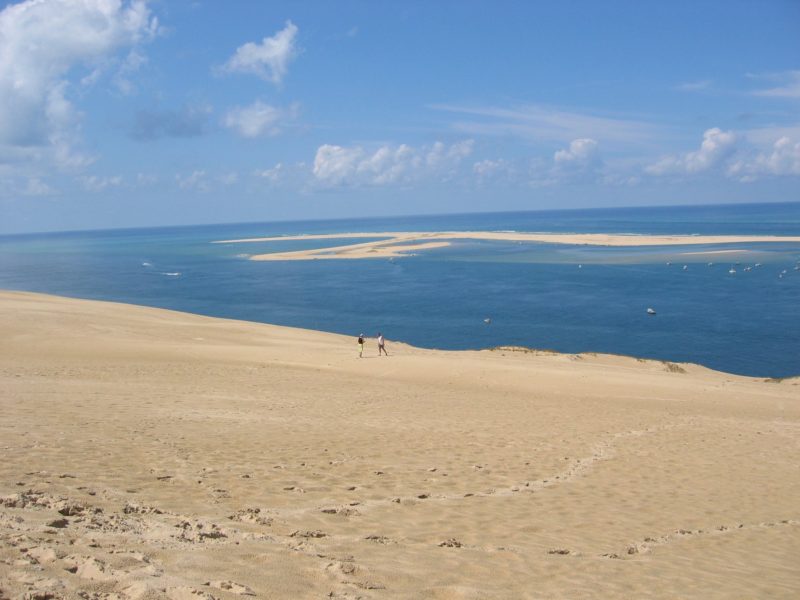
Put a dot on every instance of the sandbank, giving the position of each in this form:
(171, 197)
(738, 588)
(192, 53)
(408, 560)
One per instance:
(156, 454)
(394, 244)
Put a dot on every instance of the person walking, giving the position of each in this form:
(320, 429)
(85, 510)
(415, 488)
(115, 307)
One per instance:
(381, 345)
(361, 346)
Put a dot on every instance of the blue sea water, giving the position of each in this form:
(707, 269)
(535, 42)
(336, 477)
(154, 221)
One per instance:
(559, 297)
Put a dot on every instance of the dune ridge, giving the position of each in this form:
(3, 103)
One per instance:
(156, 454)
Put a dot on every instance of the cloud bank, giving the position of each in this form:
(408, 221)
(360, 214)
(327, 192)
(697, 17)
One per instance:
(42, 43)
(340, 166)
(716, 147)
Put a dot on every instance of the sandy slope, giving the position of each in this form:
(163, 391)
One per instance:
(396, 243)
(151, 454)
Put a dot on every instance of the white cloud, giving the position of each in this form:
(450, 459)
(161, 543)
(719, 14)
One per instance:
(258, 119)
(273, 175)
(441, 155)
(782, 159)
(96, 183)
(488, 168)
(146, 179)
(37, 187)
(582, 154)
(716, 148)
(268, 60)
(41, 43)
(132, 63)
(230, 178)
(335, 165)
(788, 85)
(355, 166)
(194, 181)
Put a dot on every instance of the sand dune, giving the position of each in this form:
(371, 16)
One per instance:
(393, 244)
(155, 454)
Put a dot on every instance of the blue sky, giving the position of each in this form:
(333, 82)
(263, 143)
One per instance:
(128, 113)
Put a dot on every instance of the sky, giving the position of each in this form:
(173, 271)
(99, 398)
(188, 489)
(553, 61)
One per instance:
(130, 113)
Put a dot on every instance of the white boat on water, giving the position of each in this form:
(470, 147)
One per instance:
(732, 271)
(651, 311)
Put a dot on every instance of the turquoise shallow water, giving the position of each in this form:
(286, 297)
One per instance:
(565, 298)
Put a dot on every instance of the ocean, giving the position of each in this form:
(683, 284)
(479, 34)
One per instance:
(548, 296)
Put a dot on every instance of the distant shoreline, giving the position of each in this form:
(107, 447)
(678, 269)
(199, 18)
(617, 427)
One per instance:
(397, 244)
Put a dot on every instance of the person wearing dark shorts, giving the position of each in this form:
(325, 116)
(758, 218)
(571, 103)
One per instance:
(361, 346)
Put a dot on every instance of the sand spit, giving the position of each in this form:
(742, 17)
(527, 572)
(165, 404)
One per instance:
(392, 244)
(156, 454)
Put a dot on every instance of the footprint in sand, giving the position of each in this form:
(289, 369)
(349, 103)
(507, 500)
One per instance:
(188, 593)
(231, 586)
(380, 539)
(308, 534)
(42, 555)
(344, 511)
(88, 567)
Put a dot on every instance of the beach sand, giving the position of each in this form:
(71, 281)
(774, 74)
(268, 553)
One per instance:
(393, 244)
(155, 454)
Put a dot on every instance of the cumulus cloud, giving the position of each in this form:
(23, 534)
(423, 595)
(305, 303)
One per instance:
(258, 119)
(716, 148)
(42, 42)
(489, 168)
(268, 60)
(153, 124)
(582, 154)
(356, 166)
(782, 159)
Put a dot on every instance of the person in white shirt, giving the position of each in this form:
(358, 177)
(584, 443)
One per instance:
(381, 345)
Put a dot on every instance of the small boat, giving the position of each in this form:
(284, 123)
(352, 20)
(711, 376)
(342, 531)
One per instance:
(685, 267)
(651, 311)
(732, 271)
(487, 321)
(710, 264)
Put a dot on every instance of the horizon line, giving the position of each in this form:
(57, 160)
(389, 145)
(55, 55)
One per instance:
(393, 216)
